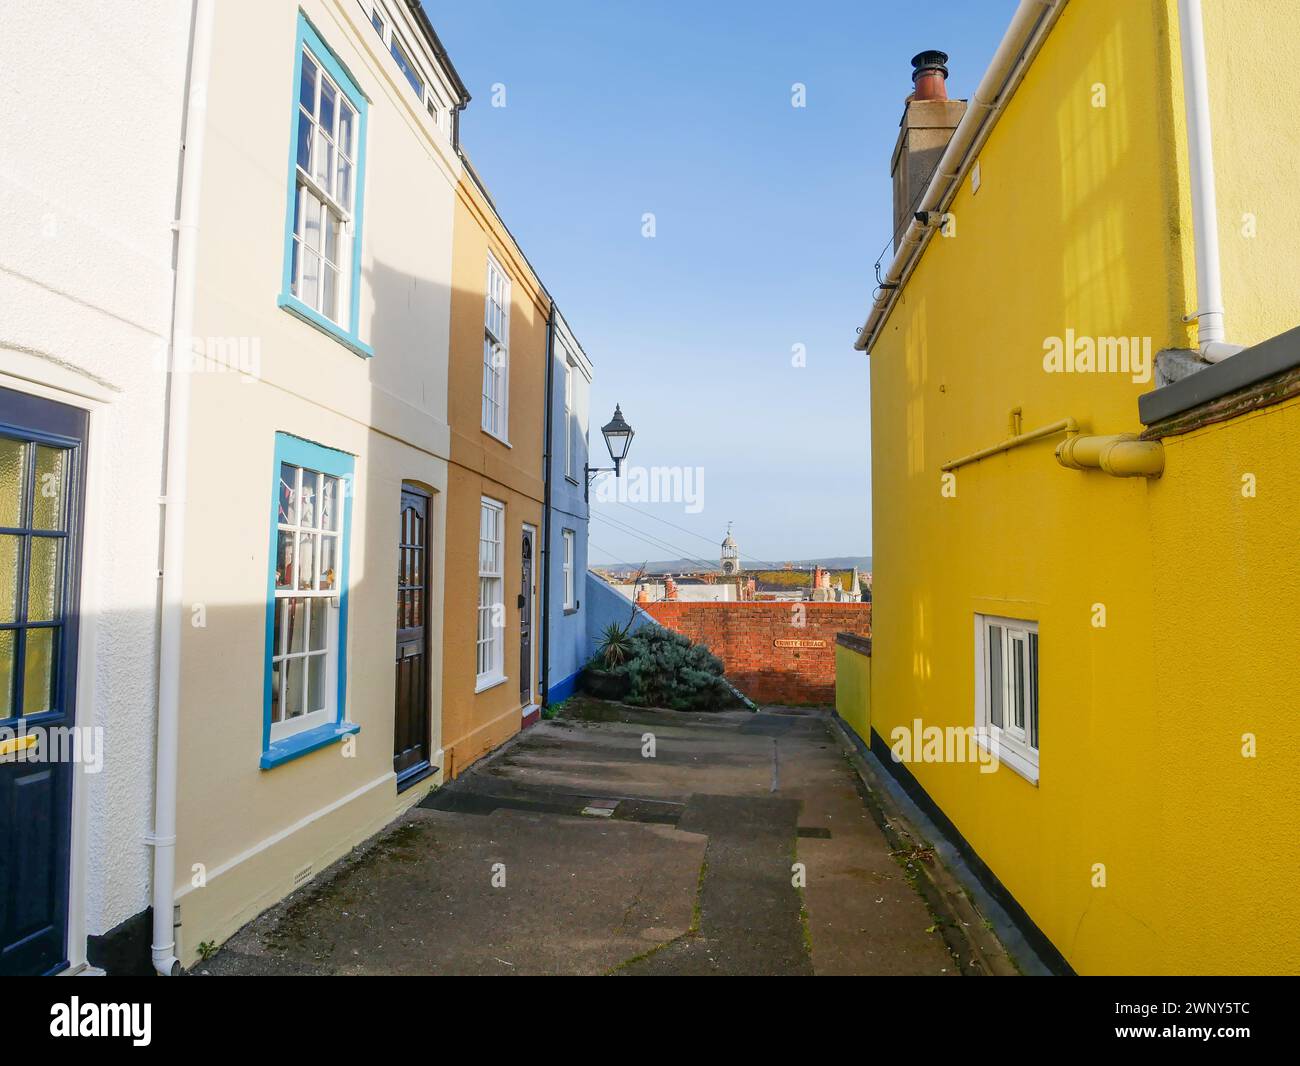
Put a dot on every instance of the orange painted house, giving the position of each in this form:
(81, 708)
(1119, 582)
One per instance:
(500, 317)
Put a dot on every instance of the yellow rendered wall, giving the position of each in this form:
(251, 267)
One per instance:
(1069, 229)
(1254, 106)
(853, 690)
(1082, 221)
(1228, 628)
(1227, 587)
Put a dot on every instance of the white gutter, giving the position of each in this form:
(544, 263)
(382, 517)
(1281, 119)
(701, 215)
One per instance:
(1029, 27)
(179, 375)
(1205, 212)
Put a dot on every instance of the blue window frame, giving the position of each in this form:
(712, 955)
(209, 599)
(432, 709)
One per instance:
(307, 601)
(321, 280)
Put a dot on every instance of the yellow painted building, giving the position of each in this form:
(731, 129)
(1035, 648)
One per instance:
(1130, 637)
(500, 319)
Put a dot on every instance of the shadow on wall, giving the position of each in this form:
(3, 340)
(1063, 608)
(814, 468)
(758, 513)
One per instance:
(250, 828)
(421, 406)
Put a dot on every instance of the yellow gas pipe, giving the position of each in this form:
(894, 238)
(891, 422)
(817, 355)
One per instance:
(1119, 455)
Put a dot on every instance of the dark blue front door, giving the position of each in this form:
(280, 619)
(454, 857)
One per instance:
(42, 456)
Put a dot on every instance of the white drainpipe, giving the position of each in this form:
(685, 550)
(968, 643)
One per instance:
(1205, 212)
(163, 838)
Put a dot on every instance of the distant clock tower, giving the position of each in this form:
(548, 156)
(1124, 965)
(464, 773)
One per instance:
(730, 554)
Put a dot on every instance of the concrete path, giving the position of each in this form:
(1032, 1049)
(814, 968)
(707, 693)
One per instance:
(745, 845)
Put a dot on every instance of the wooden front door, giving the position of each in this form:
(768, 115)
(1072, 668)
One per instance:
(42, 455)
(526, 619)
(411, 713)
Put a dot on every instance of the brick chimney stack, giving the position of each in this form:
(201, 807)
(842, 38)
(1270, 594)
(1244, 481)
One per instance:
(929, 119)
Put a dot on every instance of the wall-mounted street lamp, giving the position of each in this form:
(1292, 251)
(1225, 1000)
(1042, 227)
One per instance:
(618, 439)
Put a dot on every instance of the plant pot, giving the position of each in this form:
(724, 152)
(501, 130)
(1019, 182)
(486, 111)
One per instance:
(604, 684)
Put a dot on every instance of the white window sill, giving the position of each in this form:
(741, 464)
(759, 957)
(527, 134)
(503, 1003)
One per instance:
(490, 681)
(495, 437)
(1025, 767)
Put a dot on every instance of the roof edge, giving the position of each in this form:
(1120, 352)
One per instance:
(435, 42)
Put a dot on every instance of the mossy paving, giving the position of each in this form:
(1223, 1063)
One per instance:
(343, 887)
(913, 854)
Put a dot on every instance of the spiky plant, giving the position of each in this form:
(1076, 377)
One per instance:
(615, 645)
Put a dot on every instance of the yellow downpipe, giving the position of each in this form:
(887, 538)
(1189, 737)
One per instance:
(1119, 455)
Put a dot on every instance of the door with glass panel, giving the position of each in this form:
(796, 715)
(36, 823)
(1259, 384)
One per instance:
(411, 710)
(42, 454)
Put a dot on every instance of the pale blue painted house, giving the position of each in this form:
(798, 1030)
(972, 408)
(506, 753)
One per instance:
(566, 645)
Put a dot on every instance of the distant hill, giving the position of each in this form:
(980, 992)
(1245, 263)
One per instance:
(680, 566)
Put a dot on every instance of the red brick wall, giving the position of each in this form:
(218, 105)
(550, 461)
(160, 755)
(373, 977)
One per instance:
(743, 635)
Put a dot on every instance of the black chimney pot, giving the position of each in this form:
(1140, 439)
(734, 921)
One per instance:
(923, 62)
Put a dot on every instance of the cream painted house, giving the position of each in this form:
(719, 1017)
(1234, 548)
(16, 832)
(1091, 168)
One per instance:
(226, 452)
(309, 603)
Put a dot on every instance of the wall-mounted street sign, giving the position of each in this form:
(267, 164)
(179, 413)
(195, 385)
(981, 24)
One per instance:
(799, 643)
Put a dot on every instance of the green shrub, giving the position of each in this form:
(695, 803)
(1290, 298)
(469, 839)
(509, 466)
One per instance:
(664, 669)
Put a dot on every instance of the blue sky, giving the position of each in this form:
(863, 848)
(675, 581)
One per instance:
(768, 220)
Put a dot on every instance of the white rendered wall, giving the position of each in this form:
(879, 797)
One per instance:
(89, 135)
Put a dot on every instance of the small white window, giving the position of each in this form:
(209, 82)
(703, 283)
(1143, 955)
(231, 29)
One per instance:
(568, 421)
(1006, 690)
(438, 109)
(491, 593)
(570, 597)
(406, 65)
(496, 352)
